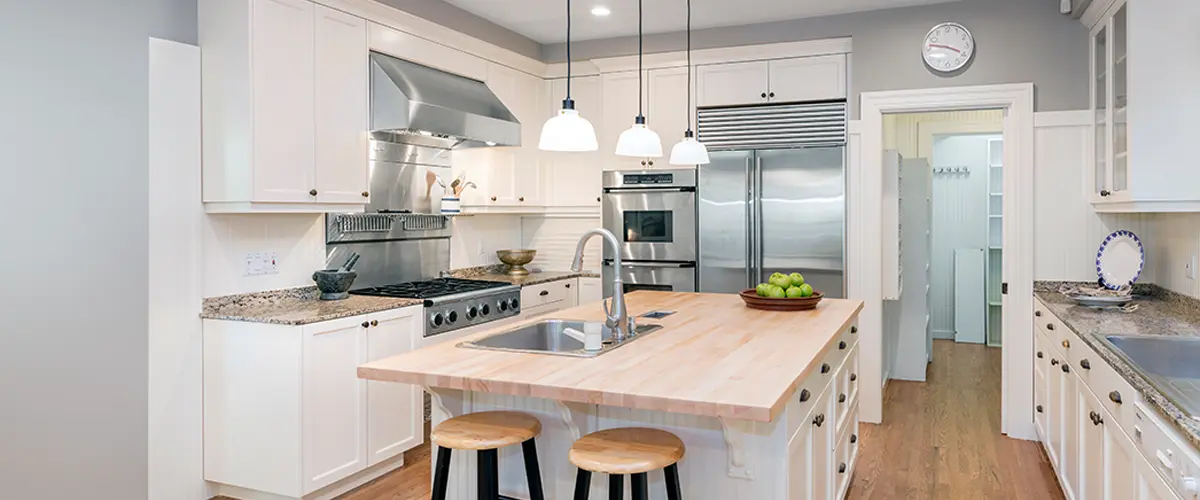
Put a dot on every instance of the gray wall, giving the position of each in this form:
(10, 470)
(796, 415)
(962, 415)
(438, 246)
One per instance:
(73, 311)
(462, 21)
(1017, 41)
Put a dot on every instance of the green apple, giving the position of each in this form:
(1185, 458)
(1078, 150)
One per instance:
(780, 280)
(806, 290)
(794, 292)
(776, 292)
(796, 278)
(761, 289)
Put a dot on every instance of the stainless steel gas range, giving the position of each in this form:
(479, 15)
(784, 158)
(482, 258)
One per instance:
(453, 304)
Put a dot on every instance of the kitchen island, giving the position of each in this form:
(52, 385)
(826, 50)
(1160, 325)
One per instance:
(766, 402)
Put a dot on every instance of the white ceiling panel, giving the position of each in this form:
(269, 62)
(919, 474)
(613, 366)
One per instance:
(545, 20)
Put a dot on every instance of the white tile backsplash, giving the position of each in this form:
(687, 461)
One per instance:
(476, 238)
(1175, 239)
(297, 239)
(555, 239)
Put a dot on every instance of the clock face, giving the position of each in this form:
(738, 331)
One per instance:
(948, 47)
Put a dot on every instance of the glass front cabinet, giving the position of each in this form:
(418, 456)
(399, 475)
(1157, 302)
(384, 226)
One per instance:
(1110, 102)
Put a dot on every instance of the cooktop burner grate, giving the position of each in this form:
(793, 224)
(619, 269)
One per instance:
(429, 289)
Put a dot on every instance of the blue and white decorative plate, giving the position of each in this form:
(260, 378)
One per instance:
(1120, 260)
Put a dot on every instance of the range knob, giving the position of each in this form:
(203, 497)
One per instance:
(436, 320)
(452, 316)
(503, 305)
(472, 312)
(485, 309)
(513, 303)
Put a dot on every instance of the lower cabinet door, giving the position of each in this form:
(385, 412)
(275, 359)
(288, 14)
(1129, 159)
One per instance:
(1069, 454)
(1120, 472)
(1054, 412)
(810, 454)
(800, 457)
(333, 397)
(1090, 421)
(394, 411)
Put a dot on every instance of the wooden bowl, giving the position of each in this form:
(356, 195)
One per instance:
(753, 301)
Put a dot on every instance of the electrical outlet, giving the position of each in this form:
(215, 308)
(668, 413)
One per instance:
(270, 263)
(259, 263)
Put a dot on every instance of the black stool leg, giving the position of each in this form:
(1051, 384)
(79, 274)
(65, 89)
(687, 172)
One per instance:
(532, 473)
(583, 482)
(488, 486)
(441, 473)
(637, 483)
(672, 476)
(616, 487)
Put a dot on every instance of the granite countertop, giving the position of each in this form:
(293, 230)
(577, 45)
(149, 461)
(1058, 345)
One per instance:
(1160, 312)
(535, 277)
(295, 306)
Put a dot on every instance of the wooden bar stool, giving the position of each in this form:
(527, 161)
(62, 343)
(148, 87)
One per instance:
(631, 450)
(484, 433)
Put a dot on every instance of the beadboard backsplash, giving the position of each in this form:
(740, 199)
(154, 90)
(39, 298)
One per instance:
(555, 239)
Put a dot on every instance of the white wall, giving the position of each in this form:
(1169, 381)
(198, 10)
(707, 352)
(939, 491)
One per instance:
(555, 239)
(1067, 231)
(476, 238)
(1174, 241)
(297, 239)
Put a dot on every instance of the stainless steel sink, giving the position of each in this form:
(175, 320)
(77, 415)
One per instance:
(1171, 363)
(547, 337)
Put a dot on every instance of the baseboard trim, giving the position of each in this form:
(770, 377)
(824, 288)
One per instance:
(327, 493)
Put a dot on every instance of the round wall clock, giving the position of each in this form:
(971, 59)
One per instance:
(948, 47)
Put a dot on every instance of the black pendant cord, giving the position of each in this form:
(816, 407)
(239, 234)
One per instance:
(569, 52)
(640, 115)
(688, 107)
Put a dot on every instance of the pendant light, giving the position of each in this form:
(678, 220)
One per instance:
(639, 140)
(567, 131)
(689, 151)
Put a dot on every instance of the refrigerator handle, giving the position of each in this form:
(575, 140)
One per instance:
(758, 211)
(750, 225)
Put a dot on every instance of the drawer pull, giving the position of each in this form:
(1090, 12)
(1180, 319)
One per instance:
(1085, 364)
(853, 377)
(842, 345)
(820, 420)
(374, 322)
(1039, 355)
(824, 368)
(805, 395)
(853, 438)
(1050, 326)
(544, 293)
(1115, 397)
(1066, 368)
(568, 285)
(1066, 344)
(841, 398)
(854, 329)
(1096, 418)
(842, 468)
(1037, 313)
(1053, 361)
(1039, 408)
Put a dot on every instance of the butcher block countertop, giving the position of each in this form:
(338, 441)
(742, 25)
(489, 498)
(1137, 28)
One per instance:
(714, 357)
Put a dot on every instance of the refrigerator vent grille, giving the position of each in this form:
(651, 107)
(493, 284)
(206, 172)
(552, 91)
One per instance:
(774, 126)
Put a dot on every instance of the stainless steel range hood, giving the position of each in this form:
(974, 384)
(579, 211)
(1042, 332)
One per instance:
(429, 107)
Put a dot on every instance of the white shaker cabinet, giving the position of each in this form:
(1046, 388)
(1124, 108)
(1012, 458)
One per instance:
(508, 179)
(732, 84)
(669, 109)
(781, 80)
(285, 412)
(573, 179)
(285, 104)
(620, 97)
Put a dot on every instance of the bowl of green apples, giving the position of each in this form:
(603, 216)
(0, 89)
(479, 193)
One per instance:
(782, 292)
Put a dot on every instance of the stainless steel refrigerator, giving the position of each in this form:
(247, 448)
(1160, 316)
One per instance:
(773, 197)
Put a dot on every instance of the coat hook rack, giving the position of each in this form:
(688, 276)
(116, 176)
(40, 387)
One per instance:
(952, 170)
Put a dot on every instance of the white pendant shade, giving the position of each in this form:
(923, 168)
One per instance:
(689, 151)
(567, 131)
(639, 141)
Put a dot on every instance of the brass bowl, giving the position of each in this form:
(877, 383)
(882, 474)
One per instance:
(516, 260)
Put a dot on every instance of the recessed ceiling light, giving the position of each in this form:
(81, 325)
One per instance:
(600, 11)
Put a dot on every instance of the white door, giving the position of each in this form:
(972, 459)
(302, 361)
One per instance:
(731, 84)
(1069, 454)
(341, 107)
(395, 412)
(282, 75)
(521, 93)
(821, 468)
(807, 79)
(669, 106)
(800, 464)
(573, 179)
(1120, 473)
(1090, 420)
(620, 95)
(334, 398)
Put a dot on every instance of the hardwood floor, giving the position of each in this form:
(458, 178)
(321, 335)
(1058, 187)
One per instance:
(940, 440)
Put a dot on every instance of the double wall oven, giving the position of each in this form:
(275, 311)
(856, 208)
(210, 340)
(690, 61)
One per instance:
(653, 215)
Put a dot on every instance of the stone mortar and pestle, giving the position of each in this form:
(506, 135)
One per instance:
(335, 283)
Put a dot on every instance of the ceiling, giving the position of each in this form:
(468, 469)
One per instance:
(545, 20)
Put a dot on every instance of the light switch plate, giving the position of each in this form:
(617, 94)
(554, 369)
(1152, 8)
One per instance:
(260, 263)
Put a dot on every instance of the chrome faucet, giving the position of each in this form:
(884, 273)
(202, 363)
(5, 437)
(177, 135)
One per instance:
(616, 316)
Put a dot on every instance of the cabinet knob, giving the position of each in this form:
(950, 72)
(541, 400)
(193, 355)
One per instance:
(643, 163)
(521, 198)
(1039, 408)
(772, 94)
(764, 95)
(544, 293)
(841, 398)
(1096, 418)
(568, 285)
(374, 322)
(853, 438)
(1040, 355)
(842, 468)
(824, 367)
(1053, 362)
(820, 420)
(312, 192)
(854, 329)
(842, 345)
(1037, 313)
(1115, 397)
(1066, 368)
(366, 194)
(1104, 192)
(597, 198)
(804, 395)
(853, 377)
(493, 198)
(1050, 326)
(1066, 344)
(366, 324)
(651, 162)
(1085, 364)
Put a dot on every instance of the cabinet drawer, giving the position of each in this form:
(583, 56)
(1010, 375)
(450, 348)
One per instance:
(1057, 332)
(845, 395)
(800, 407)
(845, 454)
(545, 294)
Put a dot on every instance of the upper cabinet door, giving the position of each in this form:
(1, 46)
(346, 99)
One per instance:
(521, 93)
(670, 110)
(282, 72)
(394, 411)
(620, 96)
(807, 79)
(732, 84)
(341, 107)
(573, 179)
